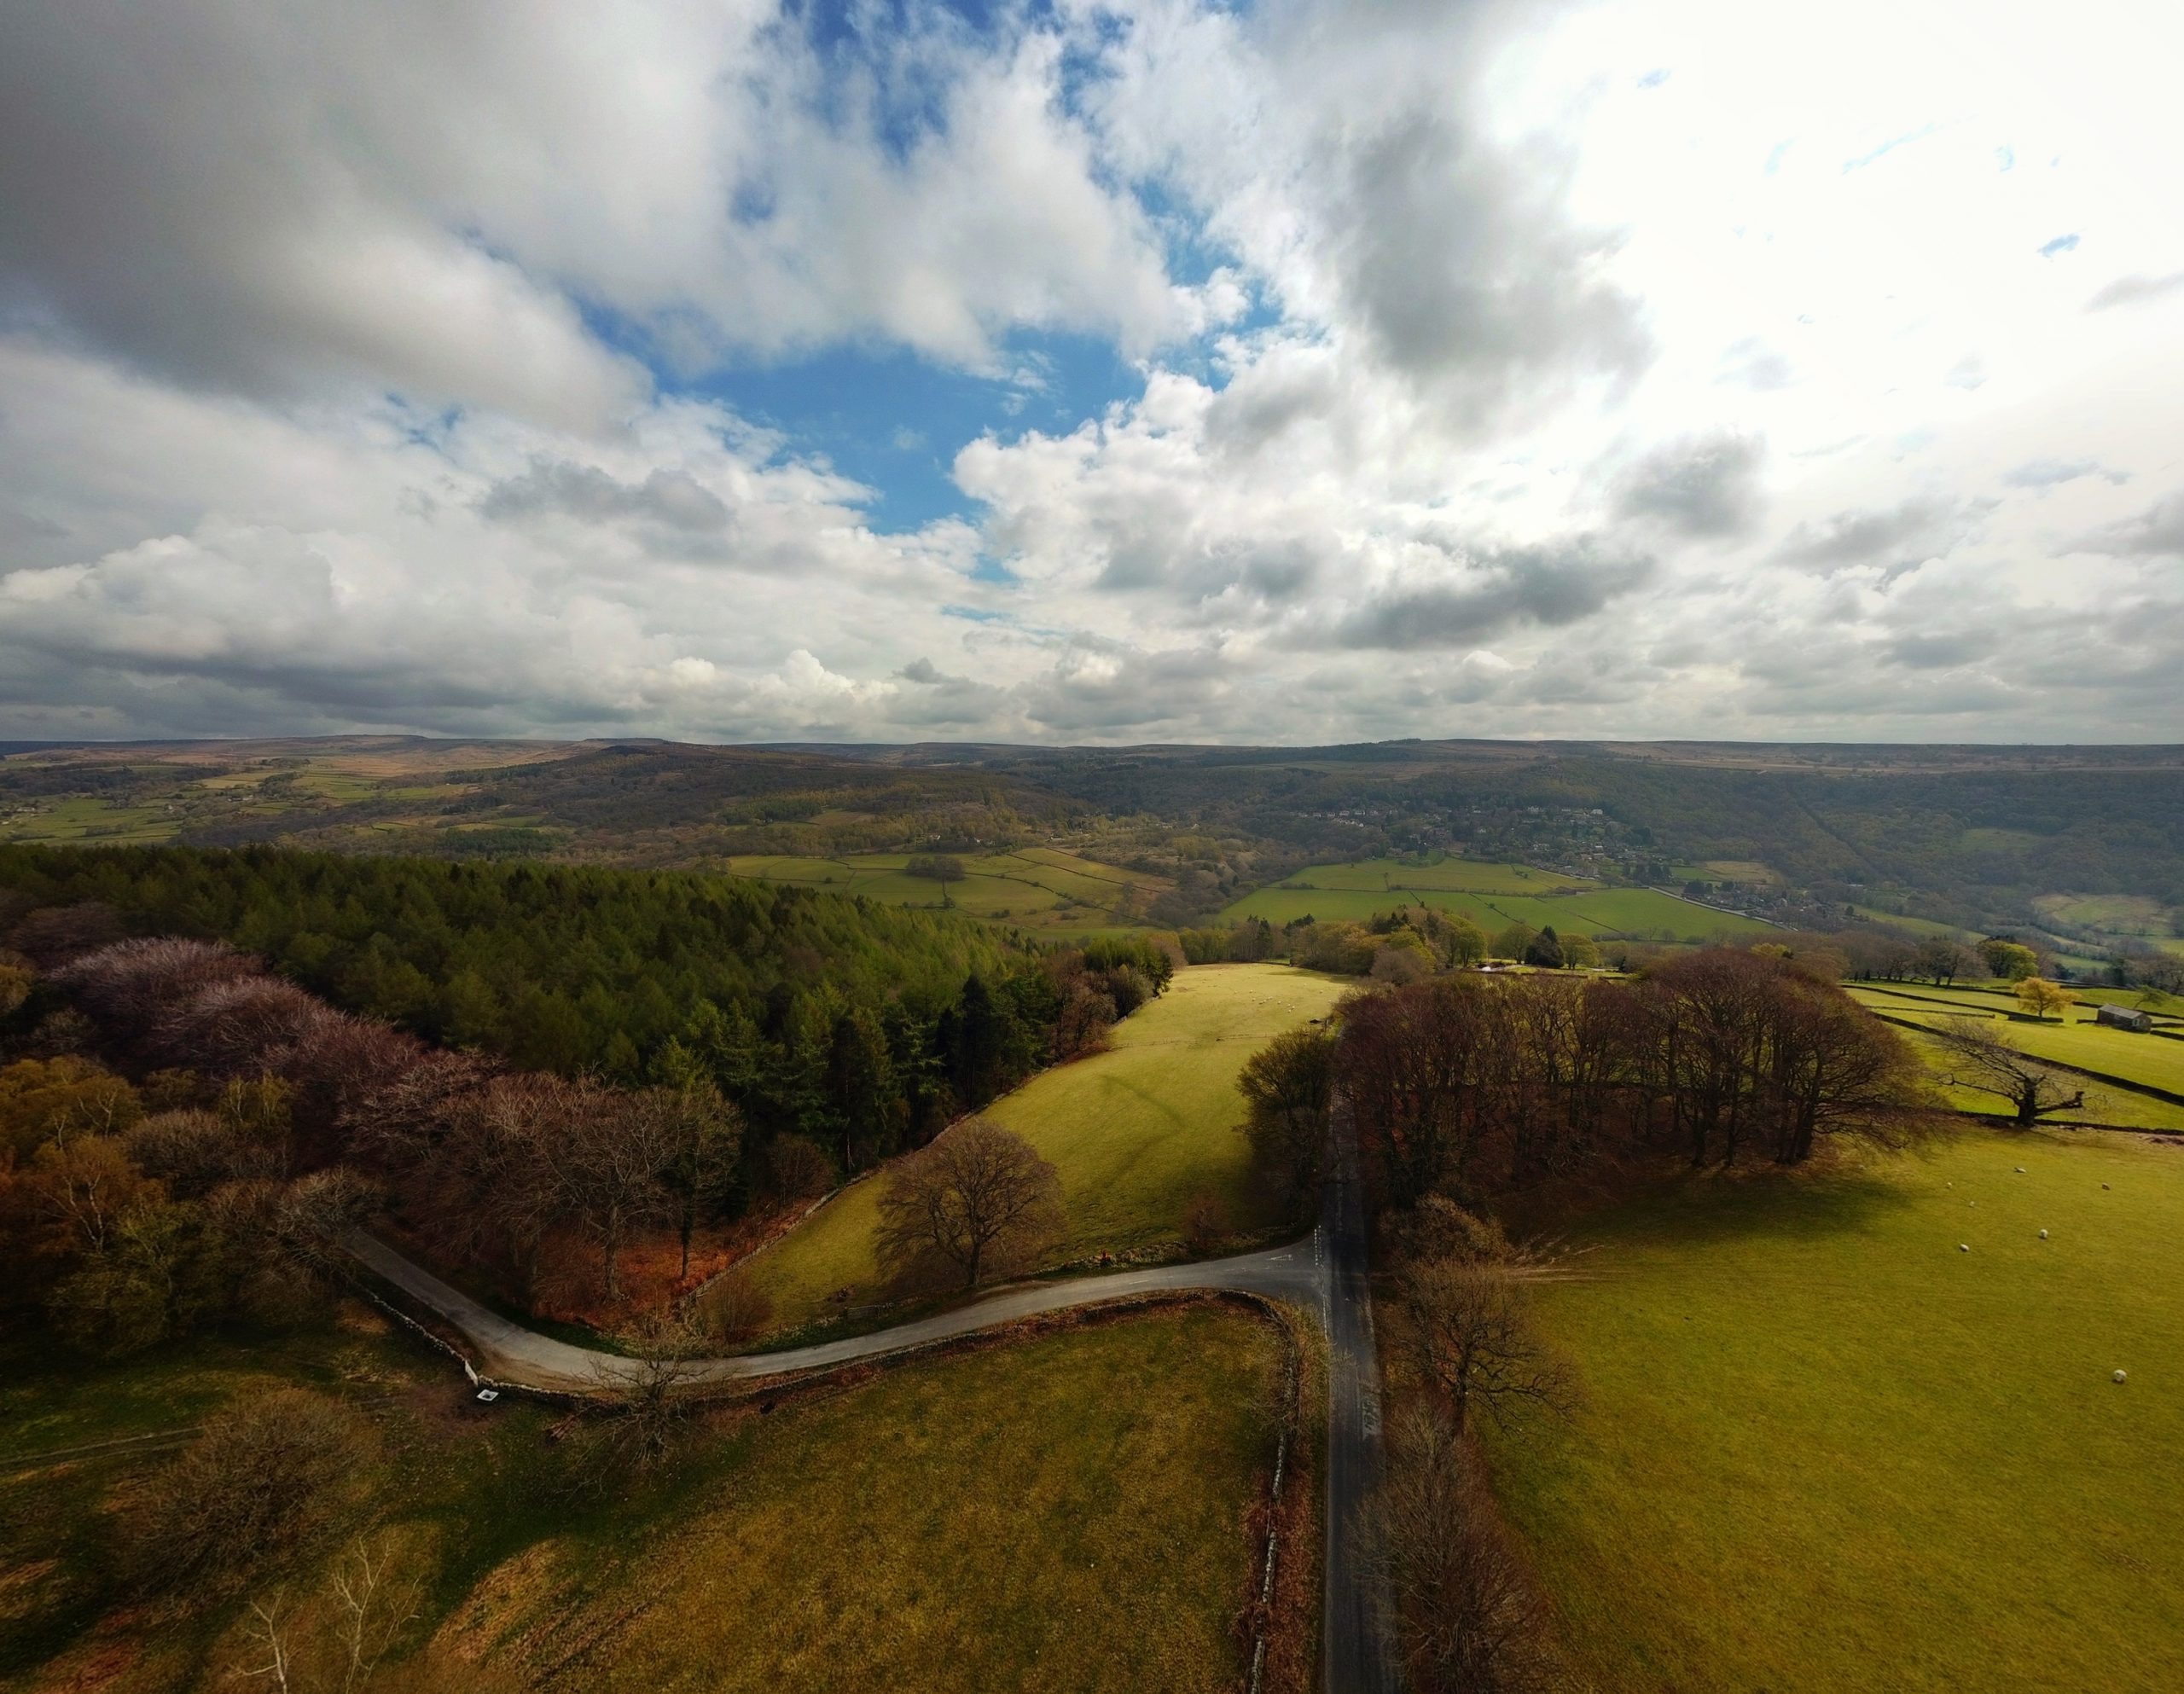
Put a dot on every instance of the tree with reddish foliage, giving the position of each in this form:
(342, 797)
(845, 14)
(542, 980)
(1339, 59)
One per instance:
(53, 935)
(239, 1027)
(126, 987)
(1412, 1061)
(614, 1150)
(1288, 1089)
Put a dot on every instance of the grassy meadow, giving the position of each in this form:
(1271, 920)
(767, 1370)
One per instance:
(1137, 1134)
(1492, 895)
(1008, 1518)
(1064, 1513)
(2129, 1055)
(1823, 1448)
(1036, 888)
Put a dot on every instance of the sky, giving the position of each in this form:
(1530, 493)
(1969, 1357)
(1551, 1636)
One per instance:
(1299, 372)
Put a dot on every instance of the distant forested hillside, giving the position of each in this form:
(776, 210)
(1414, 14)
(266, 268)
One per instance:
(1974, 835)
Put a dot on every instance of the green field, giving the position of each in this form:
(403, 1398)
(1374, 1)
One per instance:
(1005, 1519)
(2002, 997)
(2133, 1058)
(1492, 895)
(1066, 1513)
(1916, 926)
(2122, 1108)
(2132, 915)
(1823, 1449)
(1438, 873)
(86, 818)
(1136, 1133)
(1037, 887)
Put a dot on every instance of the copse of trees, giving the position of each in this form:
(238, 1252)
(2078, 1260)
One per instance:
(1462, 1083)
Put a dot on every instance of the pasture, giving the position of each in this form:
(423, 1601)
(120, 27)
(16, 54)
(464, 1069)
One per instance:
(1010, 1517)
(1034, 887)
(1823, 1448)
(2123, 1108)
(2133, 1058)
(1492, 895)
(1064, 1513)
(1437, 872)
(1137, 1133)
(2001, 997)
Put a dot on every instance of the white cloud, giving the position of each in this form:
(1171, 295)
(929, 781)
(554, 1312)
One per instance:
(1486, 387)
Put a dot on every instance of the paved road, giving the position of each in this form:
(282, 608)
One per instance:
(507, 1352)
(1325, 1272)
(1357, 1656)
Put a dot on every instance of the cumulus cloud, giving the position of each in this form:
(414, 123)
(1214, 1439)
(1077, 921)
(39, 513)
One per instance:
(1905, 532)
(1480, 598)
(1705, 485)
(359, 367)
(259, 196)
(2156, 533)
(2131, 291)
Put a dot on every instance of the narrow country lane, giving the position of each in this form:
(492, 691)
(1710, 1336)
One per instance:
(1358, 1657)
(1327, 1272)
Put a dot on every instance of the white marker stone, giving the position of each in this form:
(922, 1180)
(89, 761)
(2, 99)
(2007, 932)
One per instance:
(2020, 1170)
(2118, 1376)
(1964, 1246)
(2043, 1235)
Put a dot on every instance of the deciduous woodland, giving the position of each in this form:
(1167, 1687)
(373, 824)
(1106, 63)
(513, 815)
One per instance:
(238, 1123)
(1470, 1085)
(859, 1027)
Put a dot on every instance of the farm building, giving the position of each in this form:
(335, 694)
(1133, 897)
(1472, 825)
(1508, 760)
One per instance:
(2123, 1017)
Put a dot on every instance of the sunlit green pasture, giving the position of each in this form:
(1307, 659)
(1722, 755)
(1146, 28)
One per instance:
(2124, 1108)
(1137, 1134)
(1820, 1447)
(1037, 887)
(1439, 872)
(1566, 904)
(83, 817)
(1916, 926)
(2131, 1055)
(1066, 1513)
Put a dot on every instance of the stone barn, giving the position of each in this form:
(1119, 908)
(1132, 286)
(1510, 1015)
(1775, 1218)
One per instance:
(2123, 1017)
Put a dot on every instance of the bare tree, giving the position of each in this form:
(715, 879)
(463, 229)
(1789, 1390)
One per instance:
(127, 985)
(1984, 1063)
(1288, 1086)
(1467, 1613)
(977, 1194)
(272, 1632)
(644, 1398)
(239, 1026)
(85, 1185)
(373, 1601)
(265, 1475)
(1468, 1333)
(614, 1150)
